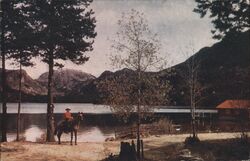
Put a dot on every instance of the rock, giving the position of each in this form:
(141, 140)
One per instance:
(109, 139)
(186, 155)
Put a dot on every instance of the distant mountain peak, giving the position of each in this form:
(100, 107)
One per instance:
(69, 73)
(66, 79)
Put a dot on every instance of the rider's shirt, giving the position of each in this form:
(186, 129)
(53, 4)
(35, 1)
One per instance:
(68, 116)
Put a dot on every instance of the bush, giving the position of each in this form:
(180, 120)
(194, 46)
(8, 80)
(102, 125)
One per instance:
(166, 125)
(244, 139)
(191, 140)
(111, 157)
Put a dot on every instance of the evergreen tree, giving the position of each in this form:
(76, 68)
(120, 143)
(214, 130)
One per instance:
(65, 31)
(16, 43)
(4, 7)
(21, 48)
(228, 16)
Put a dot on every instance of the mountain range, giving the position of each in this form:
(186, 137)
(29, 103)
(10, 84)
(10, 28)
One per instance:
(224, 71)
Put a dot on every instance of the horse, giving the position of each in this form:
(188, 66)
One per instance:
(72, 128)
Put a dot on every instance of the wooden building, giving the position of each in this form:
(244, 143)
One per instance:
(234, 110)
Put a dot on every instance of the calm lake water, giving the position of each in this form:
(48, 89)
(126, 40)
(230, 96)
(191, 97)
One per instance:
(59, 108)
(89, 108)
(33, 121)
(98, 123)
(94, 127)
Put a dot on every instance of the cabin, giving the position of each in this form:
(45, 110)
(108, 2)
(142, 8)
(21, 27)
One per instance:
(234, 110)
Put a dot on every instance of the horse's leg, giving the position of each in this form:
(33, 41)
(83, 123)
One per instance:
(71, 138)
(59, 134)
(75, 137)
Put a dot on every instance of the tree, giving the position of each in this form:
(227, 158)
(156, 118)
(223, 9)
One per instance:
(241, 101)
(15, 44)
(195, 88)
(7, 12)
(229, 17)
(19, 46)
(136, 89)
(65, 31)
(3, 80)
(17, 39)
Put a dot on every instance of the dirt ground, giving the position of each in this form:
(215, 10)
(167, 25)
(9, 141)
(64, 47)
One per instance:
(157, 148)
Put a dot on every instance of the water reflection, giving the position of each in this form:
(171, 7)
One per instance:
(93, 128)
(94, 134)
(33, 133)
(39, 108)
(11, 136)
(33, 127)
(87, 134)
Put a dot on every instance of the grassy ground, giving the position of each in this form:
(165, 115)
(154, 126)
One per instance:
(213, 146)
(209, 150)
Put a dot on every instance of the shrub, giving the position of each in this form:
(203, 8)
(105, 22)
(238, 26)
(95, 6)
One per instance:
(166, 125)
(244, 139)
(191, 140)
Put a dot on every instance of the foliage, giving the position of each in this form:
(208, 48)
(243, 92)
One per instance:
(17, 32)
(64, 28)
(229, 17)
(121, 93)
(166, 125)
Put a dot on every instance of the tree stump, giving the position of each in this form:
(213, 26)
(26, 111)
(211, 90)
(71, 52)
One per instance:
(127, 152)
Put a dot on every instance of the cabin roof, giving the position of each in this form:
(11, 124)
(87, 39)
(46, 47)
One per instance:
(234, 104)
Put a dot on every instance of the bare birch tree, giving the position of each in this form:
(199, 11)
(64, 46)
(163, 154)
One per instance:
(195, 88)
(135, 89)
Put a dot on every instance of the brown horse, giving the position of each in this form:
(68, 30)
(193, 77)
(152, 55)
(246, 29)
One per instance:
(71, 127)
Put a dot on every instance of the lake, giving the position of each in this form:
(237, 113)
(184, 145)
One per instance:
(91, 108)
(98, 123)
(59, 108)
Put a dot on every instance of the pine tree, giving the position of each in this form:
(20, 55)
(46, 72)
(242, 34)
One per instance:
(16, 43)
(65, 31)
(4, 7)
(228, 16)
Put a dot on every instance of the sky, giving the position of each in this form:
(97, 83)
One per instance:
(180, 31)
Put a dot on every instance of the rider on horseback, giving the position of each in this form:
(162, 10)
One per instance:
(68, 119)
(68, 125)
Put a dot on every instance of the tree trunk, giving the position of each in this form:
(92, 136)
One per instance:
(4, 105)
(138, 133)
(19, 102)
(192, 103)
(139, 116)
(193, 121)
(50, 106)
(4, 89)
(193, 128)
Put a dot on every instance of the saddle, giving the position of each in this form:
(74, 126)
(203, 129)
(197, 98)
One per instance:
(67, 125)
